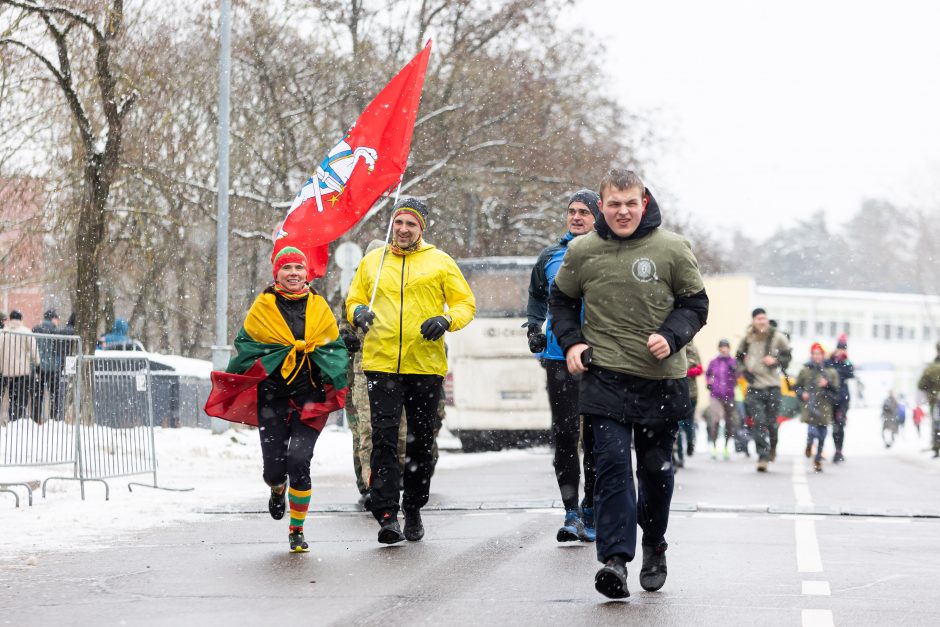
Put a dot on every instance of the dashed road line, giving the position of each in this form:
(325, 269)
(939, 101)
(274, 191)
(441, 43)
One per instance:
(817, 618)
(817, 588)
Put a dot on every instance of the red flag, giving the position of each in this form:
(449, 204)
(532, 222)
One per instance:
(366, 162)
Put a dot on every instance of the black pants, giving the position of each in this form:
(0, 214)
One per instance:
(838, 427)
(419, 395)
(618, 506)
(47, 383)
(286, 442)
(19, 389)
(566, 428)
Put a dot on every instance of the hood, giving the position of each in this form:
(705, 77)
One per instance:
(120, 327)
(566, 238)
(650, 221)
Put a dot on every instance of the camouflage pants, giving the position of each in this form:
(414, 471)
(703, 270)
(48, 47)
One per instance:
(764, 405)
(360, 423)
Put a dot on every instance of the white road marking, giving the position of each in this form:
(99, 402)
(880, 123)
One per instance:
(817, 618)
(817, 588)
(808, 559)
(715, 515)
(800, 487)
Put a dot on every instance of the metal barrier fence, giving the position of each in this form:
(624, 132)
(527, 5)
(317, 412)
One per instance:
(60, 407)
(37, 381)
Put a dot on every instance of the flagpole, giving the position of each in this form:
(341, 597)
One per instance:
(388, 234)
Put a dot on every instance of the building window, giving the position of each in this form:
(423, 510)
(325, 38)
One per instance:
(847, 327)
(820, 328)
(833, 329)
(900, 332)
(927, 332)
(887, 328)
(803, 325)
(788, 327)
(874, 330)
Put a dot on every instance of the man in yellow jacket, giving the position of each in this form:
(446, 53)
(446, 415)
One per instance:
(403, 359)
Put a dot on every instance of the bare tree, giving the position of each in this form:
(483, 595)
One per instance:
(98, 117)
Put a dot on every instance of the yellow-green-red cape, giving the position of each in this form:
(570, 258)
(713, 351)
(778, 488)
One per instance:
(265, 343)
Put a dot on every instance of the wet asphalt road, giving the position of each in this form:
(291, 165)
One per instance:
(857, 545)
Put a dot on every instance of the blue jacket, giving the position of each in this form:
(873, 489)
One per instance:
(543, 275)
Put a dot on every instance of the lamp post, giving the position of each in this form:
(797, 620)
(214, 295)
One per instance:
(221, 349)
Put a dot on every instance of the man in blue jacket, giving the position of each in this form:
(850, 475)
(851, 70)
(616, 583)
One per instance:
(562, 386)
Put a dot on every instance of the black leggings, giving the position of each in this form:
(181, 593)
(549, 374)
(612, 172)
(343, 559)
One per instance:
(566, 428)
(286, 442)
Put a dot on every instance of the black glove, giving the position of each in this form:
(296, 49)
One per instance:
(433, 328)
(537, 340)
(363, 318)
(351, 340)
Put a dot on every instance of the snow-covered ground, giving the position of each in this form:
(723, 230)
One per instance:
(224, 472)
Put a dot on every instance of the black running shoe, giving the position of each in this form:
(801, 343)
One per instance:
(277, 504)
(611, 579)
(390, 533)
(653, 573)
(297, 542)
(414, 529)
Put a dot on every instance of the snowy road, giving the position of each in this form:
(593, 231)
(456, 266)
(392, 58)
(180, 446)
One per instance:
(858, 544)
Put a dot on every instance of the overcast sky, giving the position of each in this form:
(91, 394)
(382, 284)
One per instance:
(774, 110)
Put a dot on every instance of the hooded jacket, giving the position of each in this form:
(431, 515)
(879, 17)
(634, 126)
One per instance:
(412, 288)
(818, 409)
(631, 287)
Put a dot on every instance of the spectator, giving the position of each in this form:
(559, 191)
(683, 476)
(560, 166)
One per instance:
(117, 339)
(18, 357)
(51, 359)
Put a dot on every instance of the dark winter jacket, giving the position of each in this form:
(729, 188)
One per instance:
(721, 377)
(543, 274)
(51, 352)
(846, 369)
(630, 287)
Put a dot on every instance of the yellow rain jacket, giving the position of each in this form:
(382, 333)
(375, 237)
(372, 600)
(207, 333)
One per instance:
(412, 289)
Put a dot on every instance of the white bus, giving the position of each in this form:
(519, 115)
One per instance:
(496, 388)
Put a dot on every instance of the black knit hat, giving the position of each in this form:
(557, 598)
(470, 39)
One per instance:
(50, 315)
(16, 314)
(758, 311)
(415, 207)
(589, 197)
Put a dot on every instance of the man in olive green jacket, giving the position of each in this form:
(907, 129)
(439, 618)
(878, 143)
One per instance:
(930, 384)
(761, 355)
(643, 301)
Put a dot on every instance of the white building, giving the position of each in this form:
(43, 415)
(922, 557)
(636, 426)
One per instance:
(891, 337)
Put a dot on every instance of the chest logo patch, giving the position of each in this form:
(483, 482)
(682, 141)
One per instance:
(644, 270)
